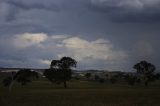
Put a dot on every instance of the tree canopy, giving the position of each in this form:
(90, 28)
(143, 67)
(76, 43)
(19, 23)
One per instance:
(23, 76)
(60, 70)
(145, 71)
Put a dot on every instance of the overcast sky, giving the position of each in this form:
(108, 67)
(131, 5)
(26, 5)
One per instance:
(99, 34)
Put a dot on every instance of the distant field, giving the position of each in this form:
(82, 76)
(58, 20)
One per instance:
(80, 93)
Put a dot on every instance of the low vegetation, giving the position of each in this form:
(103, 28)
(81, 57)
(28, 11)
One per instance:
(80, 93)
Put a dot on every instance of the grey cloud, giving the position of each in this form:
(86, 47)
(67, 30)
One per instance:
(128, 10)
(7, 11)
(35, 49)
(30, 4)
(14, 55)
(14, 6)
(84, 19)
(49, 5)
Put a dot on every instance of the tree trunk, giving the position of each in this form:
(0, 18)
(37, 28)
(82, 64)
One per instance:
(10, 86)
(12, 82)
(65, 84)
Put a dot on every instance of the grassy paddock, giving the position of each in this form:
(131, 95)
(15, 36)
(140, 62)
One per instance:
(80, 93)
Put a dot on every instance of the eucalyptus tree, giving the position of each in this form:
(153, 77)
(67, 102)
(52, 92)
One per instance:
(60, 70)
(23, 76)
(88, 75)
(145, 71)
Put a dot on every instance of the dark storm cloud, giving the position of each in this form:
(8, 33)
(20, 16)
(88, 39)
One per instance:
(130, 26)
(50, 5)
(115, 10)
(14, 6)
(34, 4)
(128, 10)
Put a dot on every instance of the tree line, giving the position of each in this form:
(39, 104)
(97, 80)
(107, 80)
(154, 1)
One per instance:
(145, 73)
(60, 71)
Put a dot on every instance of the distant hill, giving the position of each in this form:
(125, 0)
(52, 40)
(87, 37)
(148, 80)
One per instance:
(16, 69)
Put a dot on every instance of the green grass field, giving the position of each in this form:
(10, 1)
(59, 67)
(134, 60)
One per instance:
(80, 93)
